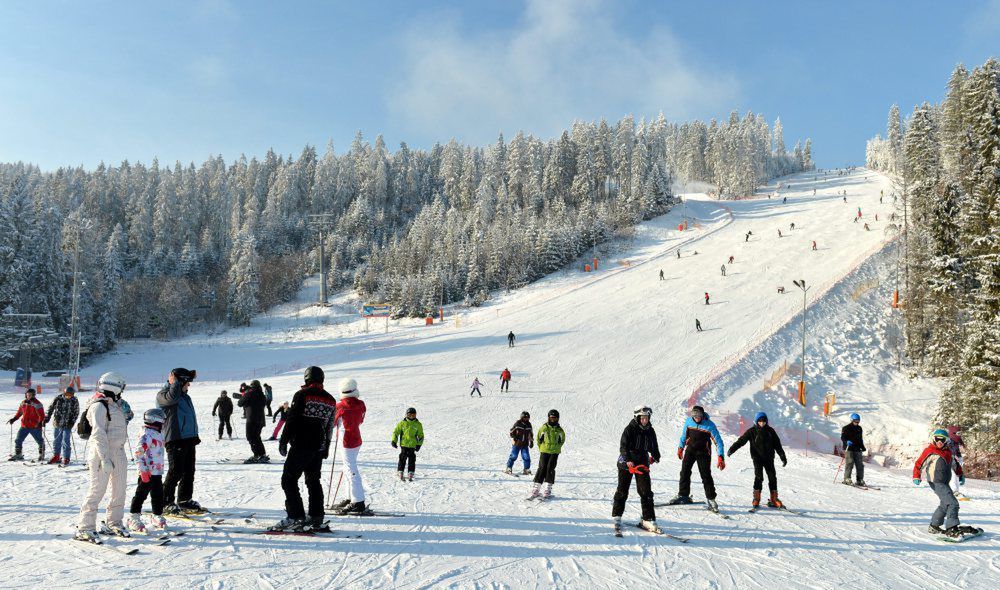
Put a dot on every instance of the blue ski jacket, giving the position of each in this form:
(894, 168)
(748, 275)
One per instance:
(698, 437)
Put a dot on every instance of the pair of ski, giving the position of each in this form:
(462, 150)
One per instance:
(856, 486)
(707, 507)
(368, 512)
(783, 508)
(160, 540)
(658, 531)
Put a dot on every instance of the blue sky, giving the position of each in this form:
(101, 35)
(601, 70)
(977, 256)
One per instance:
(86, 82)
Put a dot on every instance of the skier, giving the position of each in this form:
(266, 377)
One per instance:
(695, 446)
(510, 339)
(661, 274)
(475, 387)
(678, 254)
(350, 415)
(637, 449)
(867, 228)
(255, 403)
(791, 226)
(764, 443)
(697, 325)
(180, 437)
(723, 270)
(852, 435)
(309, 431)
(106, 459)
(280, 417)
(747, 238)
(784, 200)
(521, 439)
(224, 406)
(269, 396)
(779, 233)
(845, 198)
(814, 245)
(64, 409)
(149, 460)
(505, 380)
(408, 436)
(706, 298)
(936, 464)
(732, 259)
(32, 415)
(551, 439)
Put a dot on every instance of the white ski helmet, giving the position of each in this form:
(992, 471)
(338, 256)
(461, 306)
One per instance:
(112, 382)
(642, 411)
(348, 388)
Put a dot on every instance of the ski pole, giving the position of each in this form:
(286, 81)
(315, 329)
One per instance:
(337, 491)
(842, 459)
(333, 464)
(10, 428)
(130, 454)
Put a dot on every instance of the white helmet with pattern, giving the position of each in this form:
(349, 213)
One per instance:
(112, 382)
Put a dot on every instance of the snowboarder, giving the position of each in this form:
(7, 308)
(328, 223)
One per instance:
(475, 387)
(256, 403)
(732, 259)
(350, 415)
(706, 298)
(661, 274)
(149, 460)
(695, 446)
(309, 431)
(723, 270)
(180, 437)
(269, 396)
(637, 449)
(510, 339)
(505, 380)
(935, 465)
(551, 439)
(106, 459)
(224, 407)
(32, 415)
(521, 439)
(64, 409)
(280, 417)
(409, 436)
(852, 435)
(955, 444)
(764, 443)
(697, 325)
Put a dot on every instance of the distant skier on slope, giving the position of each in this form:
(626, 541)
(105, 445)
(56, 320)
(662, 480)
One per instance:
(814, 245)
(476, 384)
(764, 443)
(852, 435)
(661, 274)
(935, 465)
(695, 446)
(522, 438)
(636, 450)
(747, 237)
(723, 270)
(409, 436)
(510, 339)
(505, 380)
(732, 259)
(551, 439)
(706, 298)
(779, 233)
(697, 325)
(32, 415)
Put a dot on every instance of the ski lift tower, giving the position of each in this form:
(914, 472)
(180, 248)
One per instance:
(320, 223)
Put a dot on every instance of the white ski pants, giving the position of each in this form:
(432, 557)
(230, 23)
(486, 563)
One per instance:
(353, 475)
(99, 480)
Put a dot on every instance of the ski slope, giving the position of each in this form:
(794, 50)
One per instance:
(592, 345)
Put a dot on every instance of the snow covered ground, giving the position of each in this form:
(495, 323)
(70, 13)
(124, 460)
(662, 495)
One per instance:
(593, 346)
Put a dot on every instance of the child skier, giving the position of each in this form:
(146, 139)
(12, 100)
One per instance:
(764, 443)
(852, 435)
(505, 380)
(551, 439)
(350, 415)
(706, 298)
(32, 415)
(695, 446)
(409, 435)
(476, 384)
(935, 464)
(636, 450)
(279, 416)
(149, 457)
(106, 459)
(521, 439)
(64, 409)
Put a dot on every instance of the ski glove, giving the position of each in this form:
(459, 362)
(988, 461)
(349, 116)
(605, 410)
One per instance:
(849, 443)
(961, 480)
(784, 462)
(916, 481)
(11, 421)
(394, 445)
(144, 476)
(680, 452)
(722, 463)
(283, 448)
(417, 448)
(107, 465)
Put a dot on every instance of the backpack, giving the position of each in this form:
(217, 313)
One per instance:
(84, 428)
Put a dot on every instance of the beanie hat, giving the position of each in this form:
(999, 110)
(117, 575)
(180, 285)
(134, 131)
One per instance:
(348, 388)
(760, 416)
(314, 375)
(697, 412)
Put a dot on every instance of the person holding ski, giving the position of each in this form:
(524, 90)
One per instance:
(106, 458)
(510, 339)
(180, 439)
(935, 465)
(255, 403)
(551, 439)
(32, 415)
(350, 415)
(475, 387)
(224, 406)
(505, 380)
(852, 435)
(636, 450)
(764, 444)
(408, 436)
(305, 443)
(521, 439)
(280, 416)
(695, 446)
(149, 458)
(64, 409)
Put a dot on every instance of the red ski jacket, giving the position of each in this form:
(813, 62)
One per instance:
(32, 414)
(937, 464)
(505, 376)
(350, 415)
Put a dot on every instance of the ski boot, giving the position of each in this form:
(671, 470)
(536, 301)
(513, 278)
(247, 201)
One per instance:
(756, 499)
(969, 530)
(678, 499)
(548, 492)
(509, 471)
(250, 461)
(190, 506)
(400, 474)
(355, 508)
(410, 477)
(170, 509)
(935, 530)
(526, 472)
(847, 482)
(861, 483)
(293, 525)
(774, 502)
(55, 460)
(315, 523)
(534, 491)
(617, 520)
(712, 505)
(650, 525)
(263, 459)
(118, 529)
(953, 532)
(342, 505)
(65, 461)
(17, 456)
(41, 456)
(88, 536)
(158, 521)
(134, 523)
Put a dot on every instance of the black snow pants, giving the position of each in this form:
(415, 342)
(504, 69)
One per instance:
(546, 468)
(225, 423)
(643, 485)
(759, 467)
(253, 437)
(704, 460)
(407, 455)
(297, 463)
(153, 489)
(181, 457)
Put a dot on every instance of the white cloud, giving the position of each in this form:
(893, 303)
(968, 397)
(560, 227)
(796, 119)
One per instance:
(564, 60)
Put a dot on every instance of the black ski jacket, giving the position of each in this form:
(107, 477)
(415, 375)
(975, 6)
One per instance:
(279, 414)
(638, 444)
(310, 419)
(853, 433)
(255, 403)
(764, 443)
(224, 405)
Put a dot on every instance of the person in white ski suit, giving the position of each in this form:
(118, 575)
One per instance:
(106, 457)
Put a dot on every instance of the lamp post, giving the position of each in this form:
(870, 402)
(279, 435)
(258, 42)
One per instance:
(801, 284)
